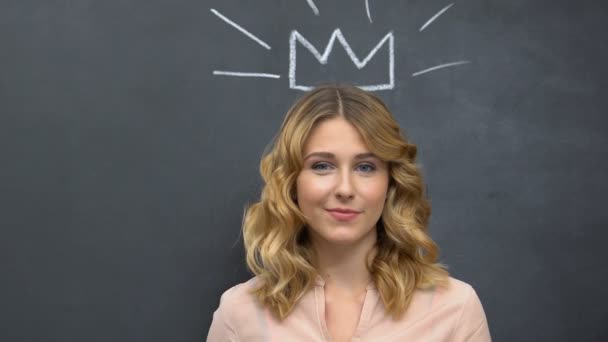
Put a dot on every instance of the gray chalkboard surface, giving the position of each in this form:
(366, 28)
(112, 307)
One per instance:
(131, 132)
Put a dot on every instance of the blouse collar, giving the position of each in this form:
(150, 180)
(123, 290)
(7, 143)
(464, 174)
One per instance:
(319, 281)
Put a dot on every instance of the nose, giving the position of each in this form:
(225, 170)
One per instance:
(344, 187)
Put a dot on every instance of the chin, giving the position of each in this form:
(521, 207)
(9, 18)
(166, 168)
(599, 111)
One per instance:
(344, 236)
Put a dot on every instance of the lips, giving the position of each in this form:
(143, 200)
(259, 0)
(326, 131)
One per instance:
(341, 214)
(343, 210)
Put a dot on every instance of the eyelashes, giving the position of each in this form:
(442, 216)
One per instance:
(325, 167)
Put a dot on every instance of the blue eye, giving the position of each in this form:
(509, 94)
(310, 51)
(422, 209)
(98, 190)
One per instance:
(320, 166)
(367, 167)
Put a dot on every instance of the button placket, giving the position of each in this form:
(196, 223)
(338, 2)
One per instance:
(320, 307)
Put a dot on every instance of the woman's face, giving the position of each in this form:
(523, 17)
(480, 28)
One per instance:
(340, 174)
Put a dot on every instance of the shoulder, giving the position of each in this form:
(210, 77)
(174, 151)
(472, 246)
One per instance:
(461, 295)
(236, 308)
(453, 292)
(449, 312)
(465, 305)
(238, 296)
(457, 290)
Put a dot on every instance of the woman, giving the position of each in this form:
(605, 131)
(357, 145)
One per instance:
(338, 242)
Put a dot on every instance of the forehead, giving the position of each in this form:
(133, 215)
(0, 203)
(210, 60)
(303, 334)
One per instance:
(335, 134)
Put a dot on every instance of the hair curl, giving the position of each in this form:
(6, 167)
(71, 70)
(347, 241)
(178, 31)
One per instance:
(277, 247)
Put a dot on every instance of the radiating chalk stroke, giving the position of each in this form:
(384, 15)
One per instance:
(428, 22)
(235, 25)
(367, 10)
(441, 66)
(314, 8)
(296, 36)
(244, 74)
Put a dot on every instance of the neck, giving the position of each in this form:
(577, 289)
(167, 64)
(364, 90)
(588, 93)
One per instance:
(344, 267)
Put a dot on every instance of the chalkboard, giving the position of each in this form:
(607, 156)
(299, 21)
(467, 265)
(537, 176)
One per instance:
(131, 134)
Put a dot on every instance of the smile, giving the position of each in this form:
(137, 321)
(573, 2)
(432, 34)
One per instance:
(343, 216)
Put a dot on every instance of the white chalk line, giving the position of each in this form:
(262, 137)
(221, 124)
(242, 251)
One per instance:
(441, 66)
(244, 74)
(235, 25)
(428, 22)
(367, 10)
(314, 8)
(337, 34)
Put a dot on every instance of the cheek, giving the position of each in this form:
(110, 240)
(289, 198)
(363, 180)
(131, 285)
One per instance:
(375, 193)
(312, 189)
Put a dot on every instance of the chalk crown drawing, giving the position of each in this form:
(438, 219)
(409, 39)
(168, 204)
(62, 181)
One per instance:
(297, 37)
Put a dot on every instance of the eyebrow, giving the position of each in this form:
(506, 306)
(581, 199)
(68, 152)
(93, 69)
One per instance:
(329, 155)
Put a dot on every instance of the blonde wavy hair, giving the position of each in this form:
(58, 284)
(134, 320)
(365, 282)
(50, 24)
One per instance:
(278, 250)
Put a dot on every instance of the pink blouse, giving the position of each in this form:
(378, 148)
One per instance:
(451, 314)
